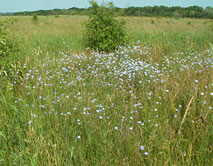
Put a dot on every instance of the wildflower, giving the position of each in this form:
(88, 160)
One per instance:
(42, 106)
(116, 128)
(34, 115)
(30, 122)
(142, 147)
(146, 153)
(78, 136)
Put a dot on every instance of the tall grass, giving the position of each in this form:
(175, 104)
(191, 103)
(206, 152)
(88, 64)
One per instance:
(51, 32)
(146, 104)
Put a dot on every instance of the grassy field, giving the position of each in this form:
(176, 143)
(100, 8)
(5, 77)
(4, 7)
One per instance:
(149, 103)
(167, 34)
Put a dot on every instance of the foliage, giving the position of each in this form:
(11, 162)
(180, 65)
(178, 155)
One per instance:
(35, 17)
(4, 45)
(103, 31)
(9, 48)
(164, 11)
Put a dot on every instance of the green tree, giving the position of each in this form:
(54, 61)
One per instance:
(103, 31)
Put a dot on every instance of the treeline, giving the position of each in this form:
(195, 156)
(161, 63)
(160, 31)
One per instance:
(162, 11)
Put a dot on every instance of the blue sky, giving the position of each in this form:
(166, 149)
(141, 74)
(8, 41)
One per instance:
(30, 5)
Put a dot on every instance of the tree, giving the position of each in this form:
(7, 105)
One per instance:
(103, 31)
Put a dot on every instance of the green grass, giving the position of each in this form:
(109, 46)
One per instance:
(62, 105)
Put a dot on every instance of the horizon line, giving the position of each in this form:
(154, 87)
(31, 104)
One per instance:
(89, 7)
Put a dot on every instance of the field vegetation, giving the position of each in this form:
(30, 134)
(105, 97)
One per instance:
(147, 103)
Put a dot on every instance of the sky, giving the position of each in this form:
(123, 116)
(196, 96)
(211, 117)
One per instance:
(32, 5)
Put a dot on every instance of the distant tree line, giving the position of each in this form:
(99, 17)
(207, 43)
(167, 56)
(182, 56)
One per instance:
(162, 11)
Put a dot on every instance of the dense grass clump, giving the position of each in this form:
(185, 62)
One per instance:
(9, 46)
(103, 31)
(4, 45)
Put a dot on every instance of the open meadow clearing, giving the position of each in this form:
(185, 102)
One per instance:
(147, 103)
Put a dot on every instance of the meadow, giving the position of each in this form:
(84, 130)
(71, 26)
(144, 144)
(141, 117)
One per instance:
(147, 103)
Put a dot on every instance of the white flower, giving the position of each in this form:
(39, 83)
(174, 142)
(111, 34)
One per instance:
(142, 147)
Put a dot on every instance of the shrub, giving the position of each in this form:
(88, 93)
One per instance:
(103, 31)
(152, 22)
(35, 18)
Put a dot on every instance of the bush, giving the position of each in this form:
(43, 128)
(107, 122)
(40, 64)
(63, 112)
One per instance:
(35, 18)
(103, 31)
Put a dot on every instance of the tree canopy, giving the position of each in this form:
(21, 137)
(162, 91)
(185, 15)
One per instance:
(162, 11)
